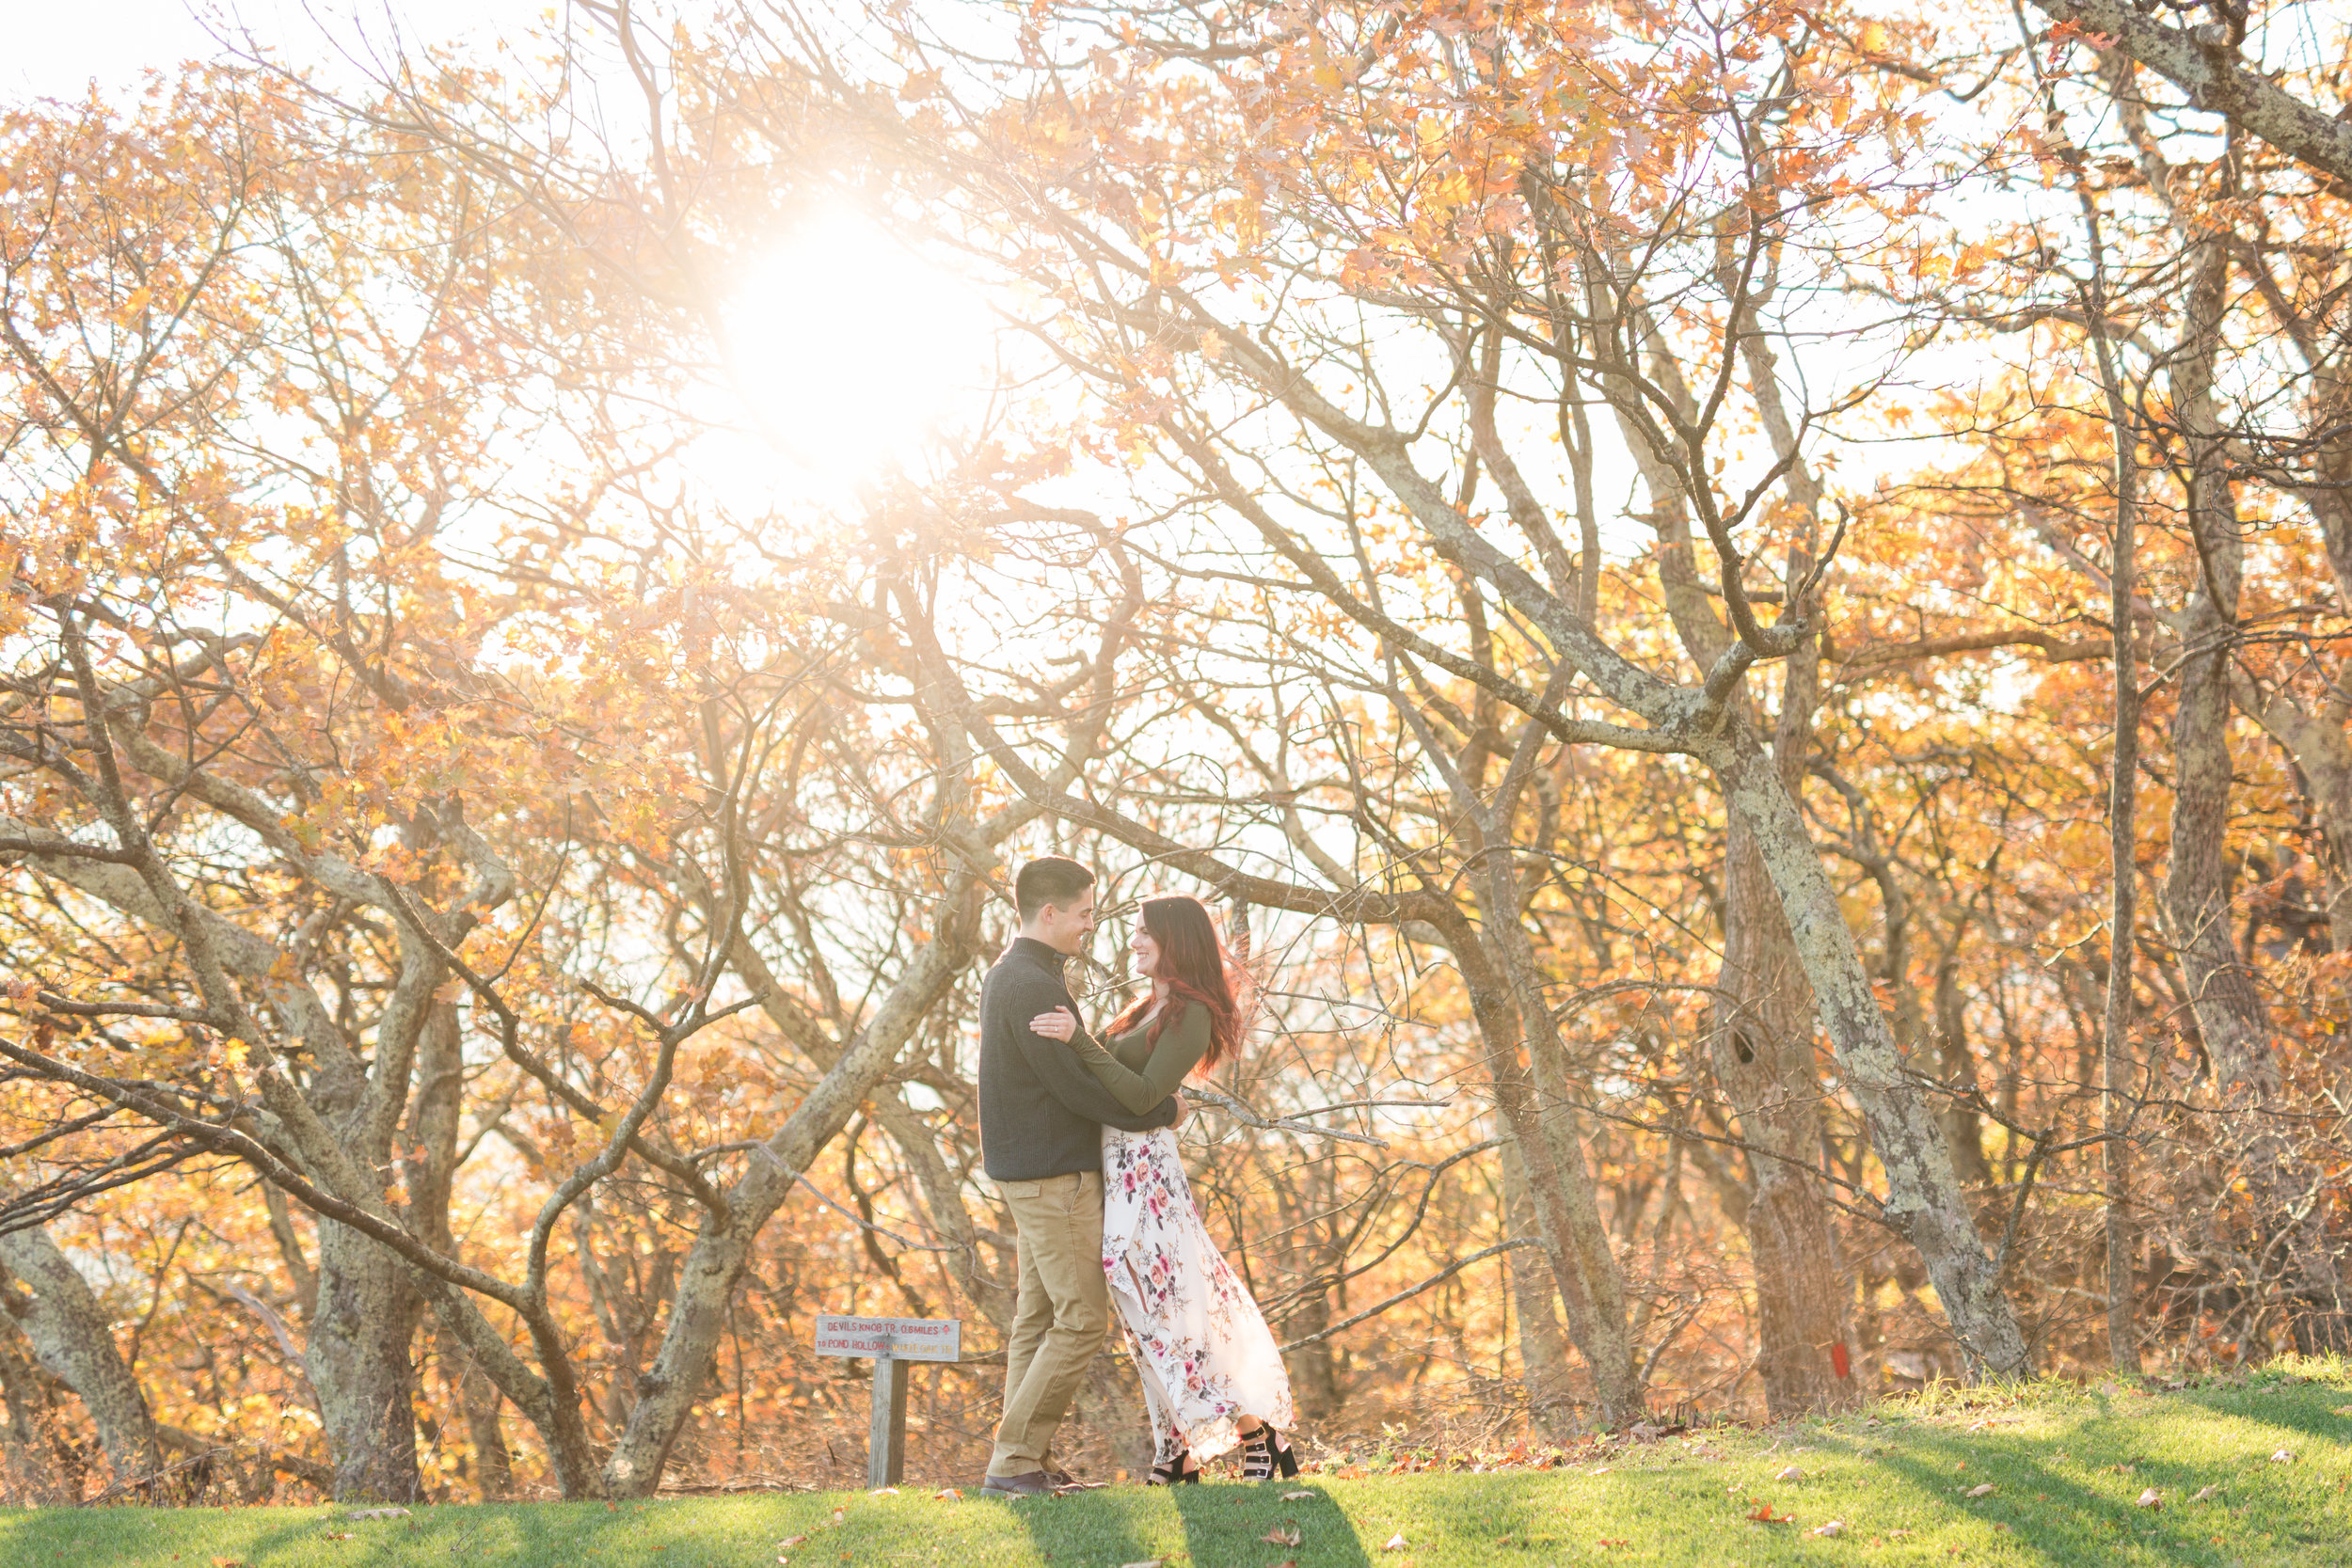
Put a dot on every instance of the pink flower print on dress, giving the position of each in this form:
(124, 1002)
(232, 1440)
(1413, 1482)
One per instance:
(1204, 1352)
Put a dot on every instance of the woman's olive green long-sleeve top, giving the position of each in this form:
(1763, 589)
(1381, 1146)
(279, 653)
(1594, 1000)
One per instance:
(1139, 1074)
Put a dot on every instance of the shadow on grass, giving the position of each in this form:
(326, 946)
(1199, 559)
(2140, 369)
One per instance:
(546, 1535)
(2308, 1409)
(1110, 1527)
(522, 1535)
(2060, 1517)
(1231, 1524)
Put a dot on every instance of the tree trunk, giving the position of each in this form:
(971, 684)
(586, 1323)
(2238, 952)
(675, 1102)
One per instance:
(2316, 740)
(72, 1337)
(1923, 1200)
(28, 1481)
(1583, 1265)
(2231, 1016)
(1761, 1049)
(1963, 1129)
(434, 1126)
(1543, 1351)
(1762, 1052)
(358, 1358)
(363, 1322)
(723, 1245)
(1542, 1124)
(480, 1402)
(2115, 1072)
(1314, 1369)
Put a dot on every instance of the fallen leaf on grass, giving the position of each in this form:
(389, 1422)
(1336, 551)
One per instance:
(2285, 1456)
(377, 1514)
(1602, 1471)
(1297, 1497)
(1983, 1491)
(1147, 1562)
(949, 1494)
(1281, 1537)
(1792, 1473)
(1395, 1544)
(228, 1563)
(2205, 1493)
(1763, 1514)
(1834, 1528)
(2150, 1499)
(340, 1535)
(883, 1491)
(2341, 1410)
(839, 1514)
(791, 1541)
(1616, 1541)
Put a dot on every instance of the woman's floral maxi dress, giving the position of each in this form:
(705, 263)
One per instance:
(1197, 1339)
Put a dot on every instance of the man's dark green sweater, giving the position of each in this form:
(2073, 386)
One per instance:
(1042, 1111)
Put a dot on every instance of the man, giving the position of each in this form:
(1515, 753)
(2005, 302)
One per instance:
(1041, 1121)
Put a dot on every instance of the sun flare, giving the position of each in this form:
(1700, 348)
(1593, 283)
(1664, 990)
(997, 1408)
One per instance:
(851, 350)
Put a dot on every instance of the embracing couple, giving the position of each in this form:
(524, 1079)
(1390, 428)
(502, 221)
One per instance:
(1078, 1136)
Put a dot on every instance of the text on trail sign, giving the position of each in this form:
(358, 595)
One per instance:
(897, 1338)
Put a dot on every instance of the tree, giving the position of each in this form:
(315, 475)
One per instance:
(1467, 195)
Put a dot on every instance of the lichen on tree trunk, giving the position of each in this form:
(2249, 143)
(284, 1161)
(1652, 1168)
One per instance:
(358, 1360)
(1924, 1201)
(1761, 1049)
(72, 1337)
(1543, 1351)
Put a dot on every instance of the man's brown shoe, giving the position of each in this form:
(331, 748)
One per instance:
(1035, 1484)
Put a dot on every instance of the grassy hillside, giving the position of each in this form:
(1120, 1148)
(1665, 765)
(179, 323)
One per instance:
(2065, 1469)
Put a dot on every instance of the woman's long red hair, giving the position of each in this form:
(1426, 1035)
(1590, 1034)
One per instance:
(1197, 973)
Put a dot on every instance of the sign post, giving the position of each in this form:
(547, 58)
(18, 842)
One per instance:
(892, 1342)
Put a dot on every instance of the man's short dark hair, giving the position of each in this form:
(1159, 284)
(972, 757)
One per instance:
(1055, 880)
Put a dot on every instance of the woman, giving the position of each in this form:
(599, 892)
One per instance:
(1212, 1376)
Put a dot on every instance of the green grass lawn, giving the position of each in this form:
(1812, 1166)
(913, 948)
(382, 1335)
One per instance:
(2066, 1468)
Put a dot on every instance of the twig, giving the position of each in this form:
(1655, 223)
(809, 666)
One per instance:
(1248, 1117)
(754, 1146)
(1402, 1296)
(2025, 1194)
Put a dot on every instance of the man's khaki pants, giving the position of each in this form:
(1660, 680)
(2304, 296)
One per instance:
(1060, 1316)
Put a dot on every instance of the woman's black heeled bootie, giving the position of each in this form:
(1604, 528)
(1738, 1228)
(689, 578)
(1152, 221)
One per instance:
(1266, 1450)
(1179, 1471)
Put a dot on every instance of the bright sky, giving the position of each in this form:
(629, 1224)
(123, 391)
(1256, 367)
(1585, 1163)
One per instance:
(55, 48)
(846, 350)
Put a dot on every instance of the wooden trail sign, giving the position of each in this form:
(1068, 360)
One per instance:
(892, 1342)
